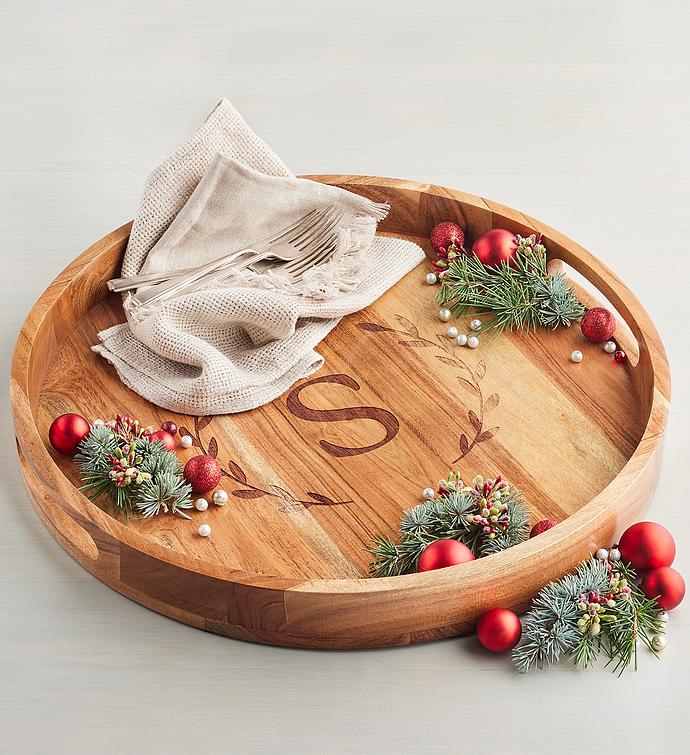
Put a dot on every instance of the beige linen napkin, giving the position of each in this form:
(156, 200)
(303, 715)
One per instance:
(240, 345)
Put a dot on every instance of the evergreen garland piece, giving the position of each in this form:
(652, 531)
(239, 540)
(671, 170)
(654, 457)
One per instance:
(118, 461)
(598, 609)
(521, 295)
(487, 517)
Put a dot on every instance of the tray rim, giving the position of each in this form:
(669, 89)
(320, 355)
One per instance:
(91, 527)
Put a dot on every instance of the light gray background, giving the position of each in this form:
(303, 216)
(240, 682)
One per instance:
(574, 112)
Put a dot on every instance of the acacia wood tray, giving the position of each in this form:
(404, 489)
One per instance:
(344, 453)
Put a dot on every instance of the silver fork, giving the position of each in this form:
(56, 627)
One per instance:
(296, 237)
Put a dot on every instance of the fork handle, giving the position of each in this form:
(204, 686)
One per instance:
(135, 281)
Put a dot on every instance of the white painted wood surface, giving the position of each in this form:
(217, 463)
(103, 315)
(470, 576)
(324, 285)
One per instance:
(576, 112)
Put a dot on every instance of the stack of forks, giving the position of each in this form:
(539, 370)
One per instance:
(292, 251)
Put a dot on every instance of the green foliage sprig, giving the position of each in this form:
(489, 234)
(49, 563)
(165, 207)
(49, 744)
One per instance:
(488, 516)
(597, 610)
(520, 296)
(117, 461)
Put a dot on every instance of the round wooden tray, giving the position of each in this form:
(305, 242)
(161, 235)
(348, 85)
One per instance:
(343, 454)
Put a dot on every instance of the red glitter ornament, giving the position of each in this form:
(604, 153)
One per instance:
(442, 553)
(542, 526)
(620, 357)
(67, 432)
(165, 438)
(598, 325)
(169, 427)
(666, 585)
(203, 473)
(647, 545)
(499, 630)
(495, 246)
(446, 235)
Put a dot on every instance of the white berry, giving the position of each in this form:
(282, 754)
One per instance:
(452, 332)
(602, 554)
(204, 530)
(610, 347)
(576, 356)
(428, 493)
(201, 504)
(444, 314)
(431, 278)
(658, 642)
(614, 554)
(186, 441)
(473, 342)
(462, 340)
(475, 324)
(220, 497)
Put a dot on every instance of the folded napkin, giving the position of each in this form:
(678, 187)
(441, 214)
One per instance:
(240, 344)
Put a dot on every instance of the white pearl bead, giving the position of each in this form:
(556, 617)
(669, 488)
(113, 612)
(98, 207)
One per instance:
(201, 504)
(97, 423)
(220, 497)
(186, 441)
(204, 530)
(431, 278)
(614, 554)
(452, 332)
(658, 642)
(462, 340)
(473, 342)
(444, 314)
(663, 617)
(475, 324)
(610, 347)
(428, 493)
(602, 554)
(576, 356)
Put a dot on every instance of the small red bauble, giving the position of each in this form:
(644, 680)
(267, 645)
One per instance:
(542, 526)
(666, 585)
(442, 553)
(169, 427)
(446, 234)
(495, 246)
(647, 545)
(598, 324)
(620, 357)
(203, 473)
(499, 630)
(67, 432)
(165, 438)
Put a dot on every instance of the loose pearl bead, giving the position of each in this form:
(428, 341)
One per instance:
(610, 347)
(602, 554)
(220, 498)
(186, 441)
(473, 342)
(444, 314)
(663, 617)
(204, 530)
(428, 493)
(431, 278)
(658, 642)
(475, 324)
(614, 554)
(452, 332)
(576, 356)
(201, 504)
(462, 340)
(97, 423)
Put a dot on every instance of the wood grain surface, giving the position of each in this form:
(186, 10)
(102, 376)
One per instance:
(344, 453)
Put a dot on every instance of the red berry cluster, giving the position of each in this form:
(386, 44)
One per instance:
(447, 239)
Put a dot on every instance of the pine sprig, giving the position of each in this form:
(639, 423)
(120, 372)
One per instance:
(520, 296)
(488, 517)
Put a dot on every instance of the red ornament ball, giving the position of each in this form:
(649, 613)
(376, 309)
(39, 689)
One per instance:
(169, 427)
(666, 585)
(446, 234)
(203, 473)
(647, 545)
(67, 432)
(495, 246)
(598, 324)
(165, 438)
(542, 526)
(499, 630)
(442, 553)
(620, 357)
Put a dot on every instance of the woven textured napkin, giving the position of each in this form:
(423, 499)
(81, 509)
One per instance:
(241, 344)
